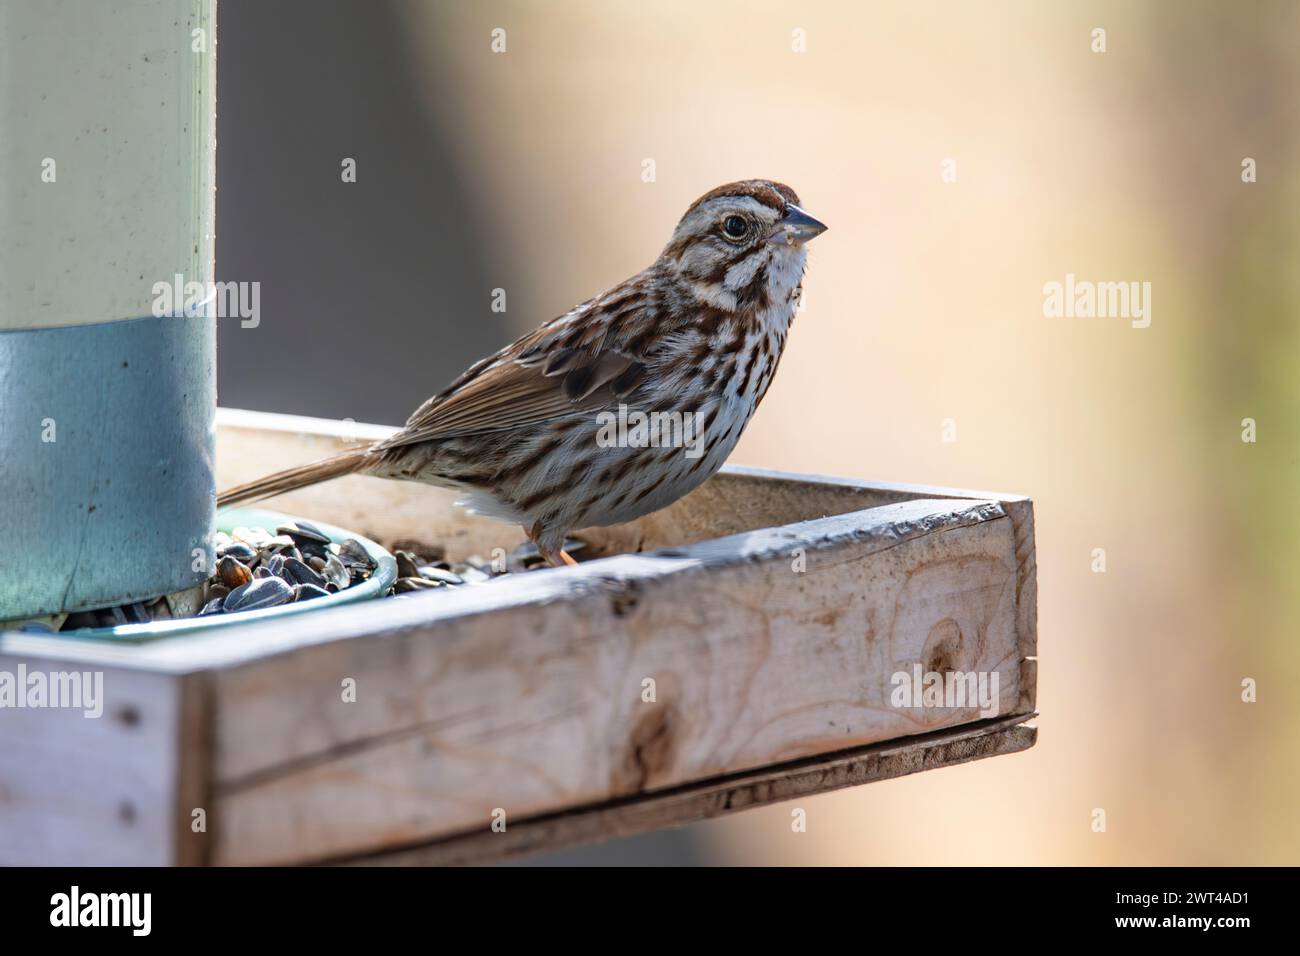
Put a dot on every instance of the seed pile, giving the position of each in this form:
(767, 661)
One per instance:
(139, 612)
(257, 570)
(416, 574)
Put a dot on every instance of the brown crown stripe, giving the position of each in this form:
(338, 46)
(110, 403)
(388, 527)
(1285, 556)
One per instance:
(773, 194)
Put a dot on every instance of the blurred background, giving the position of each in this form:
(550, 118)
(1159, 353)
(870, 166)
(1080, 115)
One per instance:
(524, 170)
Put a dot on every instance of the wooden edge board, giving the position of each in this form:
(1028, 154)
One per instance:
(302, 425)
(345, 431)
(703, 800)
(875, 530)
(899, 490)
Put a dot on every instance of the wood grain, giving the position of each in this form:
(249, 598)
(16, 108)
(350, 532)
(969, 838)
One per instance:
(708, 799)
(78, 790)
(533, 702)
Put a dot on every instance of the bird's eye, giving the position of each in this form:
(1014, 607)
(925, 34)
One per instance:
(735, 227)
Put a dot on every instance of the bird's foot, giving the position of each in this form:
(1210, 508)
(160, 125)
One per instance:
(555, 557)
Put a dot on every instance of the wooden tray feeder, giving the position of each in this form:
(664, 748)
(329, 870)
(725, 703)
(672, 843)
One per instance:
(737, 649)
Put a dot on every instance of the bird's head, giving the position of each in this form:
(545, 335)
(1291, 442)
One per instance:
(740, 247)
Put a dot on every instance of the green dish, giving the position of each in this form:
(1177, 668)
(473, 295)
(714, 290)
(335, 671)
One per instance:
(380, 580)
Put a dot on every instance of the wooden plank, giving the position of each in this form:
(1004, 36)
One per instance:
(737, 499)
(77, 790)
(532, 702)
(701, 801)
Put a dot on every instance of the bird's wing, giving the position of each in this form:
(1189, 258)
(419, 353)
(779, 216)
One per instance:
(582, 361)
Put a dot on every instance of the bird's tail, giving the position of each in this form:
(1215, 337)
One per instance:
(291, 478)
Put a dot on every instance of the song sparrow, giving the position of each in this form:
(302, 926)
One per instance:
(700, 331)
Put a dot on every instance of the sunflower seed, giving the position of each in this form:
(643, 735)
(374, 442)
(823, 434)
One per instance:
(282, 549)
(431, 573)
(306, 592)
(300, 573)
(308, 538)
(306, 527)
(232, 573)
(351, 551)
(79, 619)
(112, 617)
(408, 564)
(257, 537)
(335, 573)
(404, 585)
(136, 613)
(259, 593)
(237, 550)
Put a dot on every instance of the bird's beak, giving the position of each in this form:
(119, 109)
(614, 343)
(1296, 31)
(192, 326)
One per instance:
(796, 227)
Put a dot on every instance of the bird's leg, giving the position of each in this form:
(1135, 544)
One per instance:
(555, 558)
